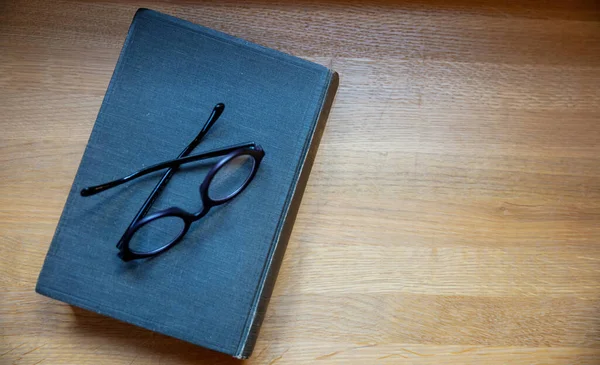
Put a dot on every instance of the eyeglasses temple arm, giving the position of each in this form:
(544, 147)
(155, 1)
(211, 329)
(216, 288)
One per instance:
(163, 165)
(212, 118)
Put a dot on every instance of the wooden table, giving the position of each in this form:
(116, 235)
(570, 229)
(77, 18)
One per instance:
(452, 216)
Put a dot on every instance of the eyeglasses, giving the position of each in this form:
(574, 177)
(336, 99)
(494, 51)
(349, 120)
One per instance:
(150, 235)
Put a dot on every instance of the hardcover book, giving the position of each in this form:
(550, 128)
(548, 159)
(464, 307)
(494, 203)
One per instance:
(211, 288)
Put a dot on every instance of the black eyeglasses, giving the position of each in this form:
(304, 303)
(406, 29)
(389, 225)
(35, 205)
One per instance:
(150, 235)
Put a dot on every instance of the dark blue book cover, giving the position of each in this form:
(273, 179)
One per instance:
(213, 287)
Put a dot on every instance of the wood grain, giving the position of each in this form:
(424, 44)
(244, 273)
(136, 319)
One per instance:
(452, 216)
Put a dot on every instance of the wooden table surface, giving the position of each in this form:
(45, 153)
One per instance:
(452, 215)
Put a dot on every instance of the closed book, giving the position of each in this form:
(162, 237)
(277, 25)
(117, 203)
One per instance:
(211, 288)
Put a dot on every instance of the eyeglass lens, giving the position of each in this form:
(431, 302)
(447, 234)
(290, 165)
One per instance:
(231, 177)
(156, 234)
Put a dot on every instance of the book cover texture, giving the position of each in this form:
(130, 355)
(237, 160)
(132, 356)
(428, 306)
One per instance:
(212, 287)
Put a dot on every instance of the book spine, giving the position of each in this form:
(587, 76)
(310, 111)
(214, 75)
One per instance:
(276, 259)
